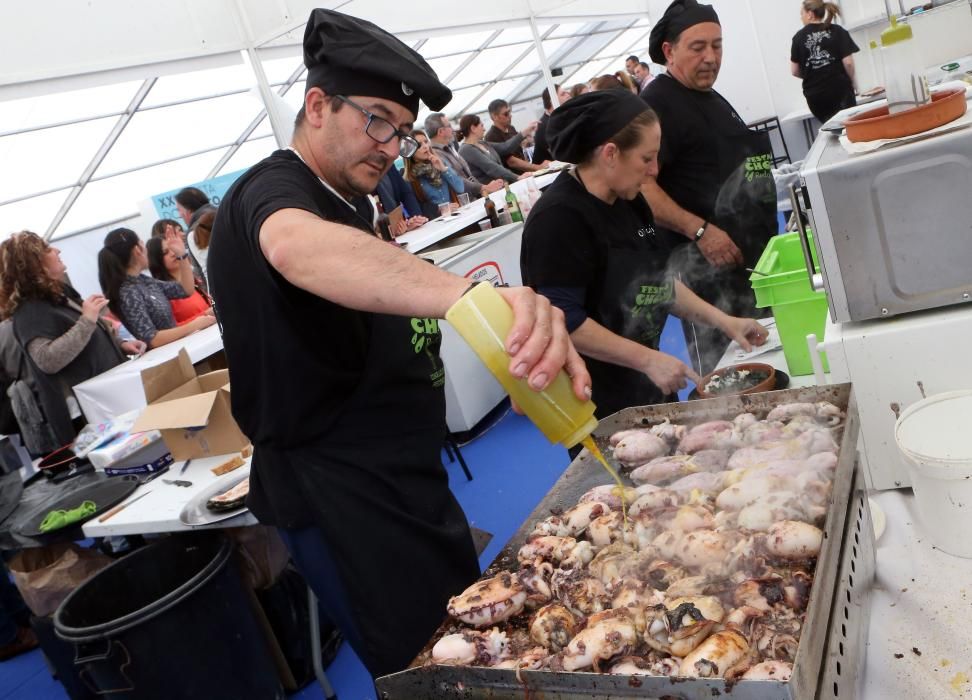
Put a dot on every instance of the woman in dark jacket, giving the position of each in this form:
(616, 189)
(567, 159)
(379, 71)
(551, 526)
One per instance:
(65, 340)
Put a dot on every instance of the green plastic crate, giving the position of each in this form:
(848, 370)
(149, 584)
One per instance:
(785, 287)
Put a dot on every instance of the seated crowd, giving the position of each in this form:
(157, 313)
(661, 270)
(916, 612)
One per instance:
(475, 160)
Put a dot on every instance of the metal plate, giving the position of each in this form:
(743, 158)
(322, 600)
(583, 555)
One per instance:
(434, 681)
(195, 511)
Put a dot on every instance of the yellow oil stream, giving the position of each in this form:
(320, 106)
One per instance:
(591, 446)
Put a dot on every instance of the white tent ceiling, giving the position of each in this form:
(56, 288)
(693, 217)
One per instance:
(106, 102)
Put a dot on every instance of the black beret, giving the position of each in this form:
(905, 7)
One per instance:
(345, 55)
(583, 123)
(679, 16)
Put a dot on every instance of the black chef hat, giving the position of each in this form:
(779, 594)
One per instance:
(679, 16)
(348, 56)
(585, 122)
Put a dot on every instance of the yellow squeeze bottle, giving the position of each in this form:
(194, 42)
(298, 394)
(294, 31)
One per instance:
(484, 319)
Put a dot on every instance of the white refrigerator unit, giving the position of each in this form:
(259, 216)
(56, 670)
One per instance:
(492, 256)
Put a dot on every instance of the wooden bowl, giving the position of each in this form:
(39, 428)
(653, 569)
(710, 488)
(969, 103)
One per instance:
(766, 385)
(874, 124)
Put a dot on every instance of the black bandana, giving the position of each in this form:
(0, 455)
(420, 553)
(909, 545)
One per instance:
(585, 122)
(679, 16)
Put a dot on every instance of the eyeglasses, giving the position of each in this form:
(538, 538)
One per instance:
(383, 131)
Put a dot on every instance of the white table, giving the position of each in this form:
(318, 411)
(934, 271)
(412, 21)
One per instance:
(921, 598)
(119, 390)
(159, 511)
(439, 229)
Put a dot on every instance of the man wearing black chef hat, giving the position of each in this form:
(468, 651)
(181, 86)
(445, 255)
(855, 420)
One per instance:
(590, 246)
(714, 197)
(332, 342)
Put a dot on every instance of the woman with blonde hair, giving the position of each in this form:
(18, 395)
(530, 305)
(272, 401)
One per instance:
(607, 82)
(579, 89)
(822, 54)
(64, 339)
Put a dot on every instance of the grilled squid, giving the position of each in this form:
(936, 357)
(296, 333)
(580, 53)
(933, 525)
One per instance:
(681, 624)
(490, 601)
(470, 647)
(608, 634)
(719, 656)
(553, 626)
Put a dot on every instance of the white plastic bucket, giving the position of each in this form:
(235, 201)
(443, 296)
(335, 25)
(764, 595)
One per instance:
(935, 437)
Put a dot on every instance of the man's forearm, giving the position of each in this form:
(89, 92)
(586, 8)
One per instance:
(515, 163)
(668, 213)
(354, 269)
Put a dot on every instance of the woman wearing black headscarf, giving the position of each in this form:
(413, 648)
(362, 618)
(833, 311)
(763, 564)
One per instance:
(589, 245)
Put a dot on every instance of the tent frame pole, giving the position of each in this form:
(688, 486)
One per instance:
(544, 64)
(266, 94)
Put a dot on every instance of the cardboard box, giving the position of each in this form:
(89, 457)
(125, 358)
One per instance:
(192, 412)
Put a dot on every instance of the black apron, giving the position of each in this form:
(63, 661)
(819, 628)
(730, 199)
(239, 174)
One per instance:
(637, 297)
(745, 208)
(379, 494)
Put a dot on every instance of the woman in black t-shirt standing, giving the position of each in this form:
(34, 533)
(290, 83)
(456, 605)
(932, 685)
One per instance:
(589, 246)
(822, 54)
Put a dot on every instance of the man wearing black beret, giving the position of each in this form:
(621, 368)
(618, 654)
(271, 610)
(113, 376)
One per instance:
(714, 197)
(332, 343)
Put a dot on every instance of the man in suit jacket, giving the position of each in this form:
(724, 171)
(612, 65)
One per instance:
(440, 134)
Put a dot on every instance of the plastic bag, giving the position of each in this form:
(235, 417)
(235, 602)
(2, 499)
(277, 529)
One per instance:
(46, 575)
(262, 554)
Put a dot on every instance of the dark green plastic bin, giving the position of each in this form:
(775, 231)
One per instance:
(785, 287)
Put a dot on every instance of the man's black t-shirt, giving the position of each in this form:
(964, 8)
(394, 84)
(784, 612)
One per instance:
(497, 135)
(541, 150)
(301, 355)
(688, 162)
(820, 49)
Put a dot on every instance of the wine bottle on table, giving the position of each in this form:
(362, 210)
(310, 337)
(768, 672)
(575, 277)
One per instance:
(513, 205)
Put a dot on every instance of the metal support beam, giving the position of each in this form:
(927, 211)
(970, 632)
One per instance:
(502, 76)
(276, 121)
(231, 150)
(544, 66)
(96, 161)
(472, 55)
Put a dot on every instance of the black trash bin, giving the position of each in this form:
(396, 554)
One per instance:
(171, 620)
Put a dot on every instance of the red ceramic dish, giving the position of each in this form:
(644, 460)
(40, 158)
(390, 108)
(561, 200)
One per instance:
(874, 124)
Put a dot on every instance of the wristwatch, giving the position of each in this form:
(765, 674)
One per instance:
(701, 231)
(185, 255)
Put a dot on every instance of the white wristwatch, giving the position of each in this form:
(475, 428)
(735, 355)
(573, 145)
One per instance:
(701, 231)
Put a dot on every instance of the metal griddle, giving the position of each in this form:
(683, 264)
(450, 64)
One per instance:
(832, 641)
